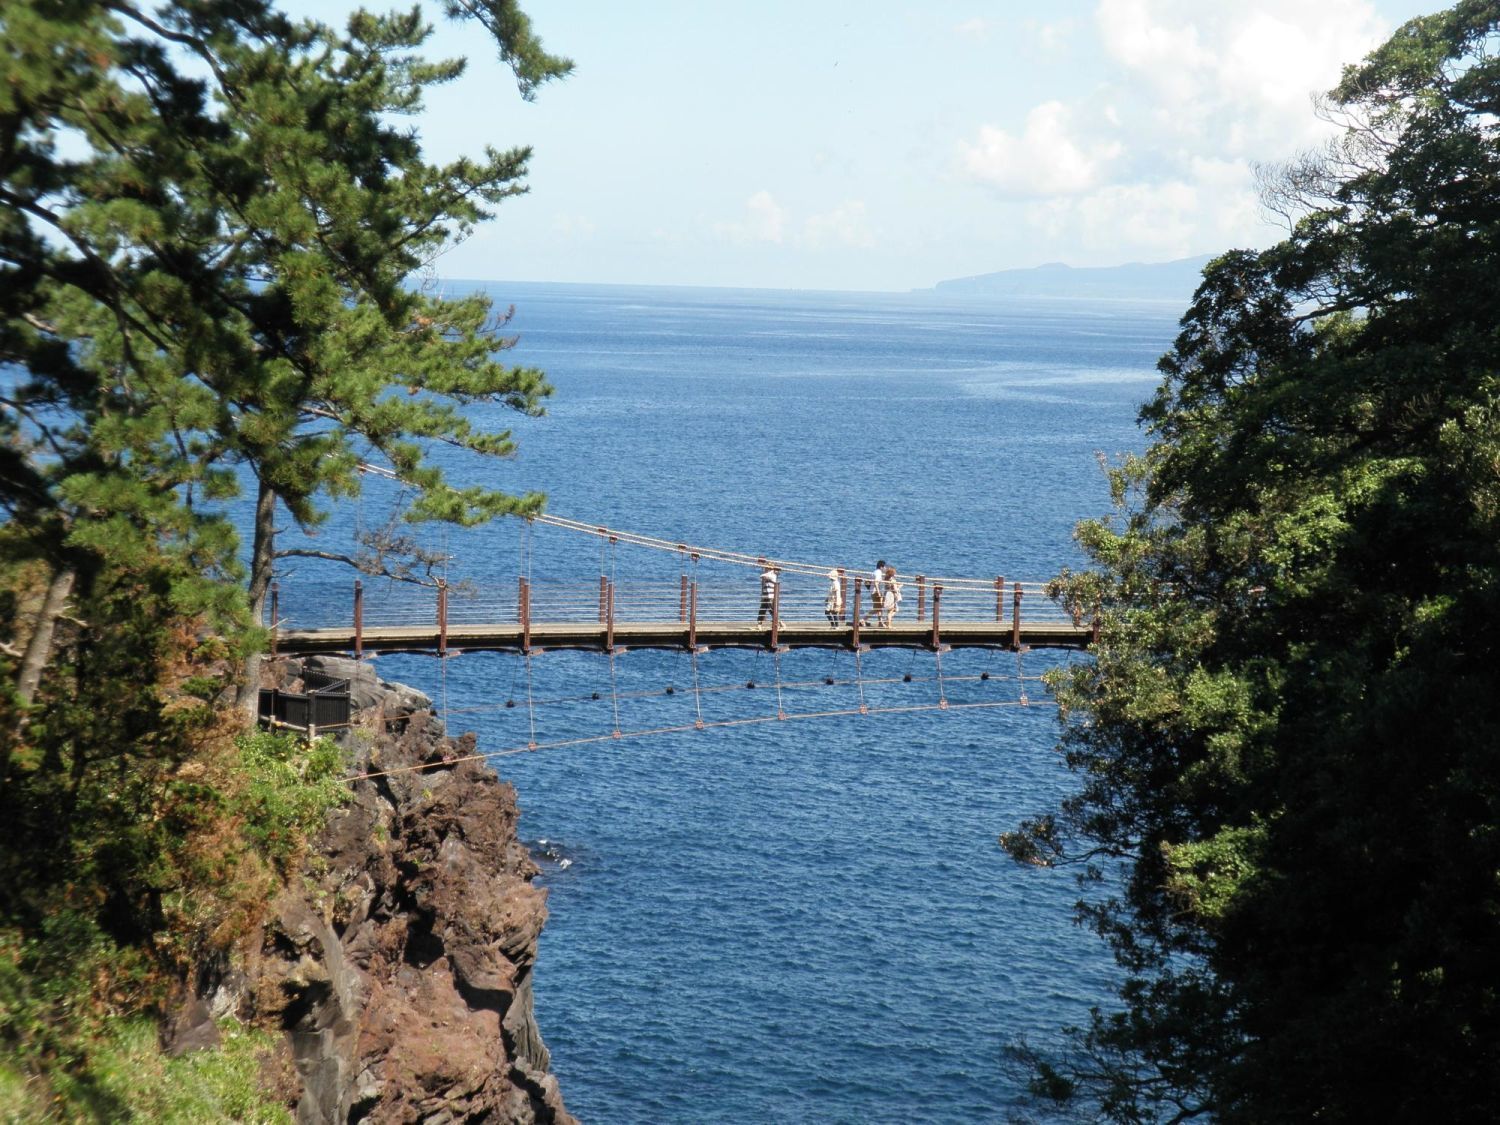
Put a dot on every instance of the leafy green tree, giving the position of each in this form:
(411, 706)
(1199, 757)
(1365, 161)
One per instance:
(212, 216)
(1287, 739)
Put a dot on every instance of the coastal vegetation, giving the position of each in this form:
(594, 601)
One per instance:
(1287, 738)
(214, 229)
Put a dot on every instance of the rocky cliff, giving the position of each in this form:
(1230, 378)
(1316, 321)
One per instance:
(399, 964)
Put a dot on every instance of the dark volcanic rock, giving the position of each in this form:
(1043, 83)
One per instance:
(400, 967)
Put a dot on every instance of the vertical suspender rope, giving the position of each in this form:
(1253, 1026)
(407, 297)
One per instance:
(776, 657)
(937, 655)
(612, 554)
(697, 692)
(859, 678)
(523, 569)
(1021, 679)
(530, 704)
(614, 694)
(693, 647)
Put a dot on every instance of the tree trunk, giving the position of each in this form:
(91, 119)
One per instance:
(262, 566)
(39, 648)
(35, 659)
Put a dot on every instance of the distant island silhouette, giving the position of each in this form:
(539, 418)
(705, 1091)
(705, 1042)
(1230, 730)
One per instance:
(1165, 281)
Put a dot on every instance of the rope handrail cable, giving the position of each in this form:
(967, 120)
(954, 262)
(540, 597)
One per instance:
(737, 558)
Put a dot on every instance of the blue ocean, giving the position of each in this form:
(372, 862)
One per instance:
(809, 920)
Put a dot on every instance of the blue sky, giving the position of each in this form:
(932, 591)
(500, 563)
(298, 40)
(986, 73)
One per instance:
(889, 145)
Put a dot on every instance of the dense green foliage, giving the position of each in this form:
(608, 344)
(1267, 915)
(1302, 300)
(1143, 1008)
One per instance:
(1288, 736)
(212, 218)
(143, 834)
(215, 225)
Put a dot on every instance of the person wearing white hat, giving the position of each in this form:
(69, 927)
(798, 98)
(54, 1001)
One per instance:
(833, 604)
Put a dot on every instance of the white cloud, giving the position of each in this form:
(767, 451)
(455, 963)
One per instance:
(1242, 73)
(845, 225)
(1045, 159)
(1156, 160)
(1212, 204)
(764, 221)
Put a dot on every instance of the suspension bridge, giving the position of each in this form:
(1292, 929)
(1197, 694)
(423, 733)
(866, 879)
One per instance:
(716, 600)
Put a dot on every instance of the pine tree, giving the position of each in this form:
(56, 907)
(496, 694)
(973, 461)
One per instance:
(210, 231)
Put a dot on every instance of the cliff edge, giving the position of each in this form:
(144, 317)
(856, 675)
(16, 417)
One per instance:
(399, 964)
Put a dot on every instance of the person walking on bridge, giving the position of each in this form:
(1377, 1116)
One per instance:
(877, 593)
(892, 598)
(768, 580)
(833, 604)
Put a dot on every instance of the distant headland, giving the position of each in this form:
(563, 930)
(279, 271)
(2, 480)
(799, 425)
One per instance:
(1174, 280)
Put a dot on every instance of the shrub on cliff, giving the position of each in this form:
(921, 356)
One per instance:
(144, 834)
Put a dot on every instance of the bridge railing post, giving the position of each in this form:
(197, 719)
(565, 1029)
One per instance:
(1015, 618)
(442, 617)
(692, 642)
(937, 613)
(359, 620)
(921, 598)
(524, 598)
(609, 616)
(775, 615)
(854, 614)
(1000, 599)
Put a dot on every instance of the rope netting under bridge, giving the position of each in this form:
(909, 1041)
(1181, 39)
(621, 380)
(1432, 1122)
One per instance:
(703, 698)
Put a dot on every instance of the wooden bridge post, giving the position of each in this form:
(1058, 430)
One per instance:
(693, 616)
(937, 602)
(609, 616)
(1015, 618)
(854, 614)
(359, 620)
(524, 595)
(275, 615)
(775, 615)
(1000, 599)
(921, 598)
(442, 617)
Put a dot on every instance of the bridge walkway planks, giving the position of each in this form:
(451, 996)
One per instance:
(677, 635)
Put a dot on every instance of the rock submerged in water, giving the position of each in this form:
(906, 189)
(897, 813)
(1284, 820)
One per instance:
(400, 962)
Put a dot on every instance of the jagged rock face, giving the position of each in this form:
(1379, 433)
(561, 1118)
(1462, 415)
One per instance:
(401, 967)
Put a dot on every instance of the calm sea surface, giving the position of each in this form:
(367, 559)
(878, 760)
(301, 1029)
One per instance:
(793, 921)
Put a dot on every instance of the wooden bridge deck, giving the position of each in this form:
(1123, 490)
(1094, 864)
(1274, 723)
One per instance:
(678, 635)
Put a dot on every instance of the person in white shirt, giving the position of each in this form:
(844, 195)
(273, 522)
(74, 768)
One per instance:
(877, 593)
(768, 579)
(833, 604)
